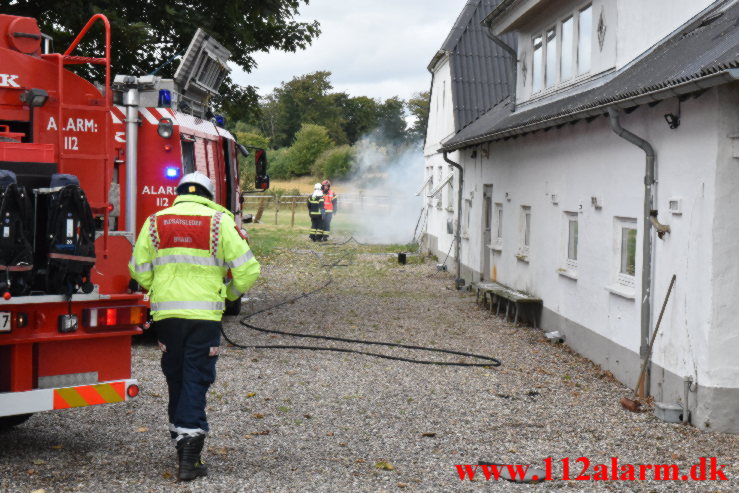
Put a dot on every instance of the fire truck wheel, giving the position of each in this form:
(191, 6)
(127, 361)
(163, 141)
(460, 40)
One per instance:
(233, 307)
(11, 421)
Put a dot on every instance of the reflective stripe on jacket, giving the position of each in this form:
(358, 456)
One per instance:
(182, 256)
(315, 206)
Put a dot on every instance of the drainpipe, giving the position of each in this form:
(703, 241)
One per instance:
(131, 102)
(458, 232)
(649, 191)
(514, 67)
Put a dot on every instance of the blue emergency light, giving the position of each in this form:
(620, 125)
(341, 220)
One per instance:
(220, 121)
(165, 98)
(172, 172)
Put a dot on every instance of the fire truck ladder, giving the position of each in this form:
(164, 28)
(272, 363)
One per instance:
(95, 106)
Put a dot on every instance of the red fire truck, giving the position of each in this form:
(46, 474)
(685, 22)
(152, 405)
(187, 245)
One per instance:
(82, 165)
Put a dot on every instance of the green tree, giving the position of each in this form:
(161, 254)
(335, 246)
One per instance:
(310, 142)
(391, 123)
(334, 163)
(306, 99)
(418, 107)
(360, 115)
(147, 33)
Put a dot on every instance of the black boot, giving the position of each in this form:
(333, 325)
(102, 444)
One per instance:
(312, 237)
(325, 238)
(188, 450)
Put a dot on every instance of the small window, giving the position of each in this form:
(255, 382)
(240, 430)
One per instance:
(498, 218)
(525, 238)
(551, 67)
(566, 65)
(626, 231)
(572, 227)
(466, 223)
(537, 69)
(584, 41)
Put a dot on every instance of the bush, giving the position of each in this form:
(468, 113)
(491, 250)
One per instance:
(310, 142)
(247, 170)
(334, 163)
(278, 167)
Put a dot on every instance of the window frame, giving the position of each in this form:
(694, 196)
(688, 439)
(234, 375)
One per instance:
(498, 224)
(569, 218)
(524, 240)
(624, 278)
(542, 68)
(580, 72)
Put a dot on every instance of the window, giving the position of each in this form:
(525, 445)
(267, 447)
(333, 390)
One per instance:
(537, 72)
(466, 223)
(567, 59)
(572, 228)
(628, 251)
(525, 238)
(626, 237)
(498, 224)
(554, 61)
(584, 39)
(551, 66)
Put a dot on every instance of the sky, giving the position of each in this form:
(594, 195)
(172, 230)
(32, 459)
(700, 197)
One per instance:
(375, 48)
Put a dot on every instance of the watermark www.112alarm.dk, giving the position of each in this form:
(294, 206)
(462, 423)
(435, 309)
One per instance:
(582, 469)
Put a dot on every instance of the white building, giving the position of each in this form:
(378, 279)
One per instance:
(554, 200)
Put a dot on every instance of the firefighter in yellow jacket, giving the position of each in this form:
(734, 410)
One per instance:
(182, 257)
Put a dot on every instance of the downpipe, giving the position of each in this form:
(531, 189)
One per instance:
(131, 102)
(648, 216)
(513, 61)
(458, 232)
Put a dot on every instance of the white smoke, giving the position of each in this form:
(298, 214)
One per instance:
(385, 178)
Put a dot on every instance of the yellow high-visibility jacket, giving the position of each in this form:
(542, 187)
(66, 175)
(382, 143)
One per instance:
(182, 256)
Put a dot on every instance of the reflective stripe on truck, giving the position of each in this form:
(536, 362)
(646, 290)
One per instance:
(33, 401)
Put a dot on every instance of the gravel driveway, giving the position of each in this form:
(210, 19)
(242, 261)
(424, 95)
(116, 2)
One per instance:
(295, 420)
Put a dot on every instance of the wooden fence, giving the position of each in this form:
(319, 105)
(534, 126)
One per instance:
(258, 205)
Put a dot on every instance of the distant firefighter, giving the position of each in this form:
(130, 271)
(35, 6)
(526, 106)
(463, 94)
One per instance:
(329, 206)
(315, 211)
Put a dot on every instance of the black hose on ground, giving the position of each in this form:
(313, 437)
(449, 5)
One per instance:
(490, 361)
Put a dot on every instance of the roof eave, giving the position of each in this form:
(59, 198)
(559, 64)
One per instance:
(437, 57)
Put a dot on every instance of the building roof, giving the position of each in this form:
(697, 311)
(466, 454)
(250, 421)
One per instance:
(703, 54)
(480, 69)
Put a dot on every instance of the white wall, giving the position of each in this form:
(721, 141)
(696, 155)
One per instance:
(584, 160)
(644, 23)
(440, 127)
(723, 341)
(441, 116)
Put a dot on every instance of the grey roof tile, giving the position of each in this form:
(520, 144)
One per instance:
(479, 70)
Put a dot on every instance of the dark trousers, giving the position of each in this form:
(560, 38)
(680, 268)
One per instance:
(189, 367)
(316, 224)
(327, 216)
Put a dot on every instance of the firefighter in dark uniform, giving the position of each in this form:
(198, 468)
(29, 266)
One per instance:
(315, 211)
(182, 256)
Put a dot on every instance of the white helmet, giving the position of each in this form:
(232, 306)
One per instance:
(317, 186)
(198, 178)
